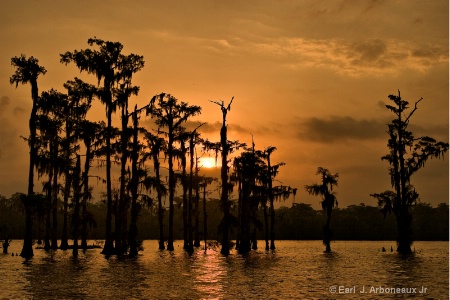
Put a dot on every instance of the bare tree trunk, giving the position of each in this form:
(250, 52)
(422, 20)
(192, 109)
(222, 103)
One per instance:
(85, 195)
(272, 209)
(54, 191)
(27, 250)
(121, 215)
(196, 215)
(245, 238)
(327, 232)
(55, 209)
(185, 199)
(255, 222)
(205, 216)
(404, 221)
(171, 189)
(160, 207)
(132, 236)
(68, 182)
(272, 225)
(48, 201)
(224, 194)
(266, 226)
(191, 182)
(76, 210)
(239, 225)
(108, 248)
(85, 199)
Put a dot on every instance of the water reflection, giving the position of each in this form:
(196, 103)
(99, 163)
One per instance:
(209, 274)
(55, 275)
(297, 269)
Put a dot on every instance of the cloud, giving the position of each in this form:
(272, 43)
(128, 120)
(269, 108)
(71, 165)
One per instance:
(353, 58)
(369, 51)
(337, 129)
(436, 131)
(206, 127)
(215, 127)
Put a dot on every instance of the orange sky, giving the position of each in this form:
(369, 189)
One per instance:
(309, 77)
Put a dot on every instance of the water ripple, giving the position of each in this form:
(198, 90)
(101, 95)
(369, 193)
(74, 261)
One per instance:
(296, 270)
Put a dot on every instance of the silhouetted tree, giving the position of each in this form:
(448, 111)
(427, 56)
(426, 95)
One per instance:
(181, 137)
(109, 65)
(325, 189)
(248, 171)
(90, 133)
(225, 202)
(403, 164)
(276, 192)
(196, 186)
(50, 119)
(28, 71)
(193, 139)
(170, 114)
(128, 66)
(187, 148)
(203, 183)
(139, 176)
(155, 146)
(75, 109)
(133, 186)
(76, 202)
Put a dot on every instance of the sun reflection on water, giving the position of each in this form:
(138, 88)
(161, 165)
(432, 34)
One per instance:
(209, 274)
(297, 269)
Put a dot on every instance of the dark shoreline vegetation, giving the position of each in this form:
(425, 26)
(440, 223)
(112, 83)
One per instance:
(299, 222)
(64, 145)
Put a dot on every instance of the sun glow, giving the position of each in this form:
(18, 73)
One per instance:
(207, 162)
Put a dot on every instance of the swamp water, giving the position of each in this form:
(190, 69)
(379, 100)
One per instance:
(296, 270)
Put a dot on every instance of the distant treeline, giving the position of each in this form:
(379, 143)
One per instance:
(299, 222)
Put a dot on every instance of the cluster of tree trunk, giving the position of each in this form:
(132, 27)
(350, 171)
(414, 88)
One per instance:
(254, 175)
(58, 128)
(59, 132)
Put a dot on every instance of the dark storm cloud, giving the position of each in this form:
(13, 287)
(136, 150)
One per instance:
(368, 51)
(438, 132)
(236, 131)
(336, 129)
(432, 53)
(341, 129)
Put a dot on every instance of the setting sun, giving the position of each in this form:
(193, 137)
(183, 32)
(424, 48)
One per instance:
(208, 162)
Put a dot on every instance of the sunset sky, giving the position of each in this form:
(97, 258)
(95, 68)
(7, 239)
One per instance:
(308, 77)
